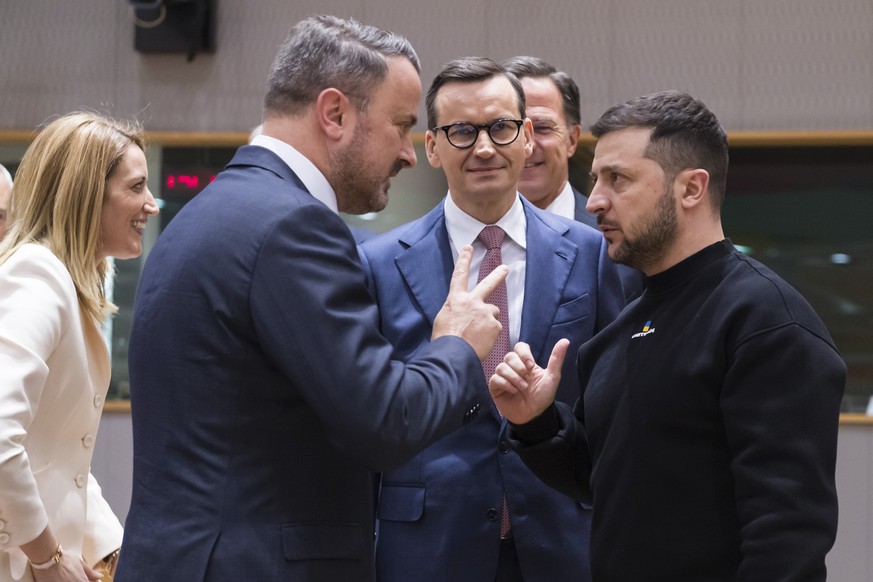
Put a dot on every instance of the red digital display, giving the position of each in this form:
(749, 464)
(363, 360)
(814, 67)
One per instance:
(185, 171)
(186, 183)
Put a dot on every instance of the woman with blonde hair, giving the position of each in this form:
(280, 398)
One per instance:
(81, 195)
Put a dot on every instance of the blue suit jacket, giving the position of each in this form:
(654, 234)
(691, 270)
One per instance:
(633, 281)
(262, 394)
(439, 513)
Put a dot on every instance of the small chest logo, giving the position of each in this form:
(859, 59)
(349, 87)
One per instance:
(647, 329)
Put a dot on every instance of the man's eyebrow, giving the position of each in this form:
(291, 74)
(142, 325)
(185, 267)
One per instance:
(606, 168)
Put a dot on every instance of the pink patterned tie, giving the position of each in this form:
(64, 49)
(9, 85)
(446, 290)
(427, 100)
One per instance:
(492, 238)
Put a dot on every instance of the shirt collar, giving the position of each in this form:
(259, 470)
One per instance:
(464, 229)
(312, 178)
(565, 203)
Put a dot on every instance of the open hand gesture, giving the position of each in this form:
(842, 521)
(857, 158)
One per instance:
(520, 388)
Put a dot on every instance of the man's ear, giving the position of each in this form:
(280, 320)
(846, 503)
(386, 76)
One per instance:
(430, 149)
(334, 112)
(695, 187)
(575, 132)
(527, 128)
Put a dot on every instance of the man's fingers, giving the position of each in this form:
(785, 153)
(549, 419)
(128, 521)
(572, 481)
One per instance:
(486, 286)
(516, 364)
(499, 385)
(522, 350)
(458, 284)
(556, 360)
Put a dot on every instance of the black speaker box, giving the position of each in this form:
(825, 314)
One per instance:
(174, 26)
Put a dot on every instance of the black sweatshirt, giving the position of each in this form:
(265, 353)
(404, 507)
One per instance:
(710, 411)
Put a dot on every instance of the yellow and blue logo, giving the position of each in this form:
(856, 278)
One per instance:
(647, 329)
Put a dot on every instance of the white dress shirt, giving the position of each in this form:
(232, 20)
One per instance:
(312, 178)
(565, 204)
(464, 230)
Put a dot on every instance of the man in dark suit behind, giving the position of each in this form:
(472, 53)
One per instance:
(553, 106)
(262, 393)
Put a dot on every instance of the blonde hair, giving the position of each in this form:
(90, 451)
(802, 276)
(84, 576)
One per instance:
(59, 191)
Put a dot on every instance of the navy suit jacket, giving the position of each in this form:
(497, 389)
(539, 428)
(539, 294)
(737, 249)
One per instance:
(262, 394)
(439, 513)
(633, 281)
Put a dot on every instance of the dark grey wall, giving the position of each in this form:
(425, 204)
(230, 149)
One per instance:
(759, 64)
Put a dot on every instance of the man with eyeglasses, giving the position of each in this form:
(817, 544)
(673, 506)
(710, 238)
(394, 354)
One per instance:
(552, 98)
(464, 509)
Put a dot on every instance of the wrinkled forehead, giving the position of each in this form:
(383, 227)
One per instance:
(400, 92)
(476, 101)
(622, 147)
(541, 94)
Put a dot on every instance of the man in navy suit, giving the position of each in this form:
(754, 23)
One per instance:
(262, 394)
(553, 107)
(463, 509)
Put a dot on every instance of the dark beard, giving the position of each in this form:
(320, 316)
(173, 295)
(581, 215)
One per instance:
(358, 186)
(651, 243)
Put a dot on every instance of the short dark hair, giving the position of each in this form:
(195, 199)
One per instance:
(685, 134)
(469, 70)
(535, 67)
(325, 51)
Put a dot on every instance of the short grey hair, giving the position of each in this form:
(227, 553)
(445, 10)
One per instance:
(325, 52)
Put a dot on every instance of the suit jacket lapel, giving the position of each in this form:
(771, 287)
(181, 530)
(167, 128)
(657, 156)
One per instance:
(427, 252)
(550, 257)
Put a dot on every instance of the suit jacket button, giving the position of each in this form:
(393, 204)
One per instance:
(80, 481)
(503, 447)
(88, 441)
(4, 539)
(98, 401)
(491, 514)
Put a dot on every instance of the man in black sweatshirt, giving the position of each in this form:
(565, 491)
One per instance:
(707, 426)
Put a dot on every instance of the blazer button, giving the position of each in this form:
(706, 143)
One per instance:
(98, 401)
(491, 514)
(88, 441)
(80, 481)
(4, 539)
(503, 447)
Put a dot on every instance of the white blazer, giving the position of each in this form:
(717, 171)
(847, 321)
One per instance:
(54, 373)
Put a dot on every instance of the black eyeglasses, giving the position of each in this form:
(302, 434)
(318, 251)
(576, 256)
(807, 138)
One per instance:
(463, 135)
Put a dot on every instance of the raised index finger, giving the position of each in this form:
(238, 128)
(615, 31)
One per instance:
(486, 286)
(460, 275)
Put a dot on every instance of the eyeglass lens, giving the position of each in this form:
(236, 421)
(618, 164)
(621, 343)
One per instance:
(502, 132)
